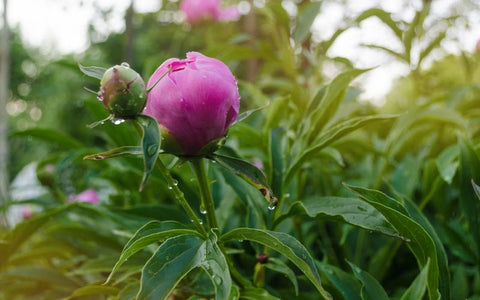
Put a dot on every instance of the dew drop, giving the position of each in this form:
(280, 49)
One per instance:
(170, 187)
(151, 149)
(117, 121)
(271, 207)
(287, 195)
(201, 222)
(175, 182)
(124, 64)
(99, 98)
(217, 280)
(203, 211)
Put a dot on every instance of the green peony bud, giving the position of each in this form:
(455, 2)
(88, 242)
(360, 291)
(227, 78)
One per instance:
(122, 91)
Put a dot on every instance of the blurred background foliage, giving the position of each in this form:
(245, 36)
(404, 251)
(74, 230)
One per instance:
(426, 153)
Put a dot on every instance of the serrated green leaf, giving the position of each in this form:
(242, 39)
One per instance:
(284, 244)
(329, 136)
(94, 289)
(349, 210)
(421, 245)
(371, 288)
(95, 72)
(305, 20)
(345, 284)
(150, 144)
(418, 287)
(124, 150)
(279, 266)
(175, 258)
(249, 173)
(150, 233)
(51, 136)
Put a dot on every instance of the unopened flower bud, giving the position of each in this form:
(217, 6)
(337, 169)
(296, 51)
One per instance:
(194, 103)
(122, 91)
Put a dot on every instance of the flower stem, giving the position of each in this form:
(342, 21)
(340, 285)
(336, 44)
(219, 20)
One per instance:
(207, 199)
(180, 197)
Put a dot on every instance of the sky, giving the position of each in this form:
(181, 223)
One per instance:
(61, 26)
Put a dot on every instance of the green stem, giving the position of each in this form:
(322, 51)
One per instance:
(207, 199)
(180, 197)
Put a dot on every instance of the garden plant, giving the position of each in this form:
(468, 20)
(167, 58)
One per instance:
(227, 155)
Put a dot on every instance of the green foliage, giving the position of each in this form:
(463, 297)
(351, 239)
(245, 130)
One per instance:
(287, 226)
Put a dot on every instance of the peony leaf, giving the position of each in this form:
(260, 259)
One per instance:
(284, 244)
(150, 144)
(249, 173)
(176, 257)
(125, 150)
(95, 72)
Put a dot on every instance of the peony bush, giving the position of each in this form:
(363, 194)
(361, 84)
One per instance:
(301, 190)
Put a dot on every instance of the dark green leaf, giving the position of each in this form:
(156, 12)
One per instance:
(150, 233)
(249, 173)
(276, 159)
(348, 210)
(331, 135)
(442, 260)
(345, 284)
(418, 287)
(421, 245)
(50, 135)
(176, 257)
(284, 244)
(150, 144)
(125, 150)
(279, 266)
(305, 20)
(371, 288)
(95, 72)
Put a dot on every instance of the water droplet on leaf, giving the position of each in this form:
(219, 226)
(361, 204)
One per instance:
(203, 211)
(271, 207)
(117, 121)
(217, 280)
(151, 149)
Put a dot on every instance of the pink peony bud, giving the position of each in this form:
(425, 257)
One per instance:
(89, 195)
(198, 10)
(195, 103)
